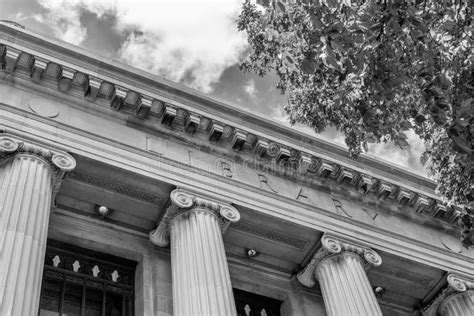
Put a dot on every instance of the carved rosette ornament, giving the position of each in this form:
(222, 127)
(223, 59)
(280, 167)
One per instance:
(183, 202)
(341, 264)
(194, 225)
(30, 175)
(457, 299)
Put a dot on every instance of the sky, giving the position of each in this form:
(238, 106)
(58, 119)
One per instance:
(192, 42)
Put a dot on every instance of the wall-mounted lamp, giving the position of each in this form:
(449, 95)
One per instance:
(379, 291)
(251, 253)
(102, 210)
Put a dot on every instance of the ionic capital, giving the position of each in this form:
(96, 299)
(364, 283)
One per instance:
(183, 201)
(59, 161)
(332, 246)
(456, 285)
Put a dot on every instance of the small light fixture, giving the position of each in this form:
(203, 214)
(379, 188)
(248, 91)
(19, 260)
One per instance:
(102, 210)
(251, 253)
(379, 291)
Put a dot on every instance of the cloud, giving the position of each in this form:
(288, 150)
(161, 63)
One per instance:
(183, 40)
(250, 88)
(405, 158)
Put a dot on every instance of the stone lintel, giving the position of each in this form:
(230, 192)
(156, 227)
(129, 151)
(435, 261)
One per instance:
(183, 201)
(333, 245)
(456, 284)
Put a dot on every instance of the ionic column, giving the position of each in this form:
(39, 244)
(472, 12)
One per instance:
(29, 174)
(457, 299)
(339, 267)
(201, 280)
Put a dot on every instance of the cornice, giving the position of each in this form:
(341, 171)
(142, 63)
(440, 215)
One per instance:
(183, 201)
(333, 245)
(132, 92)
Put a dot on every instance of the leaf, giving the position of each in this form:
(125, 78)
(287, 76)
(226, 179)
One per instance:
(424, 157)
(465, 108)
(462, 122)
(365, 147)
(402, 143)
(402, 135)
(264, 3)
(289, 59)
(449, 24)
(281, 5)
(308, 66)
(405, 125)
(460, 145)
(316, 23)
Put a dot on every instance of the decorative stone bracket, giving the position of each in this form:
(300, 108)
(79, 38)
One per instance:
(60, 162)
(184, 201)
(330, 246)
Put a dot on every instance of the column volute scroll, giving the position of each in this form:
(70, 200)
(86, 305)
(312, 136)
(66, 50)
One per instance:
(58, 161)
(456, 299)
(339, 267)
(183, 201)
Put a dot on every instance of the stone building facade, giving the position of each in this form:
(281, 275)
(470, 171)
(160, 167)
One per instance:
(122, 193)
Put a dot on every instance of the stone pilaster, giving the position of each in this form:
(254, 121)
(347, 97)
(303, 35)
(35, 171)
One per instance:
(339, 267)
(457, 299)
(29, 176)
(194, 225)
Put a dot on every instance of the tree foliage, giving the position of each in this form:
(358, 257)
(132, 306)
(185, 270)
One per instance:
(374, 70)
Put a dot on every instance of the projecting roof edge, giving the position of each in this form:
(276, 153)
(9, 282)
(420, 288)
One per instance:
(70, 68)
(99, 65)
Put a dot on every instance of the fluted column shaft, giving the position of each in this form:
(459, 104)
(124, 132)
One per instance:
(201, 280)
(461, 304)
(25, 197)
(345, 287)
(26, 186)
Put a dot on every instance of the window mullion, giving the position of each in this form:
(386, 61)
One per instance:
(83, 303)
(63, 293)
(103, 300)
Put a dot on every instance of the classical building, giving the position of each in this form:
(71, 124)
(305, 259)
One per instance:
(122, 193)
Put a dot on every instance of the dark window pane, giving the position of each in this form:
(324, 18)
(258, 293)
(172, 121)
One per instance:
(113, 306)
(250, 304)
(51, 296)
(93, 301)
(72, 300)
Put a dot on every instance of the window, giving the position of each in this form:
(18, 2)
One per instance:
(80, 282)
(249, 304)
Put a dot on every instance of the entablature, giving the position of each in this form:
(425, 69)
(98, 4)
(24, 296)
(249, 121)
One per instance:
(199, 119)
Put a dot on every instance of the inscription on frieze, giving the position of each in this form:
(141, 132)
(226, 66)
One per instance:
(227, 168)
(264, 183)
(301, 195)
(339, 209)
